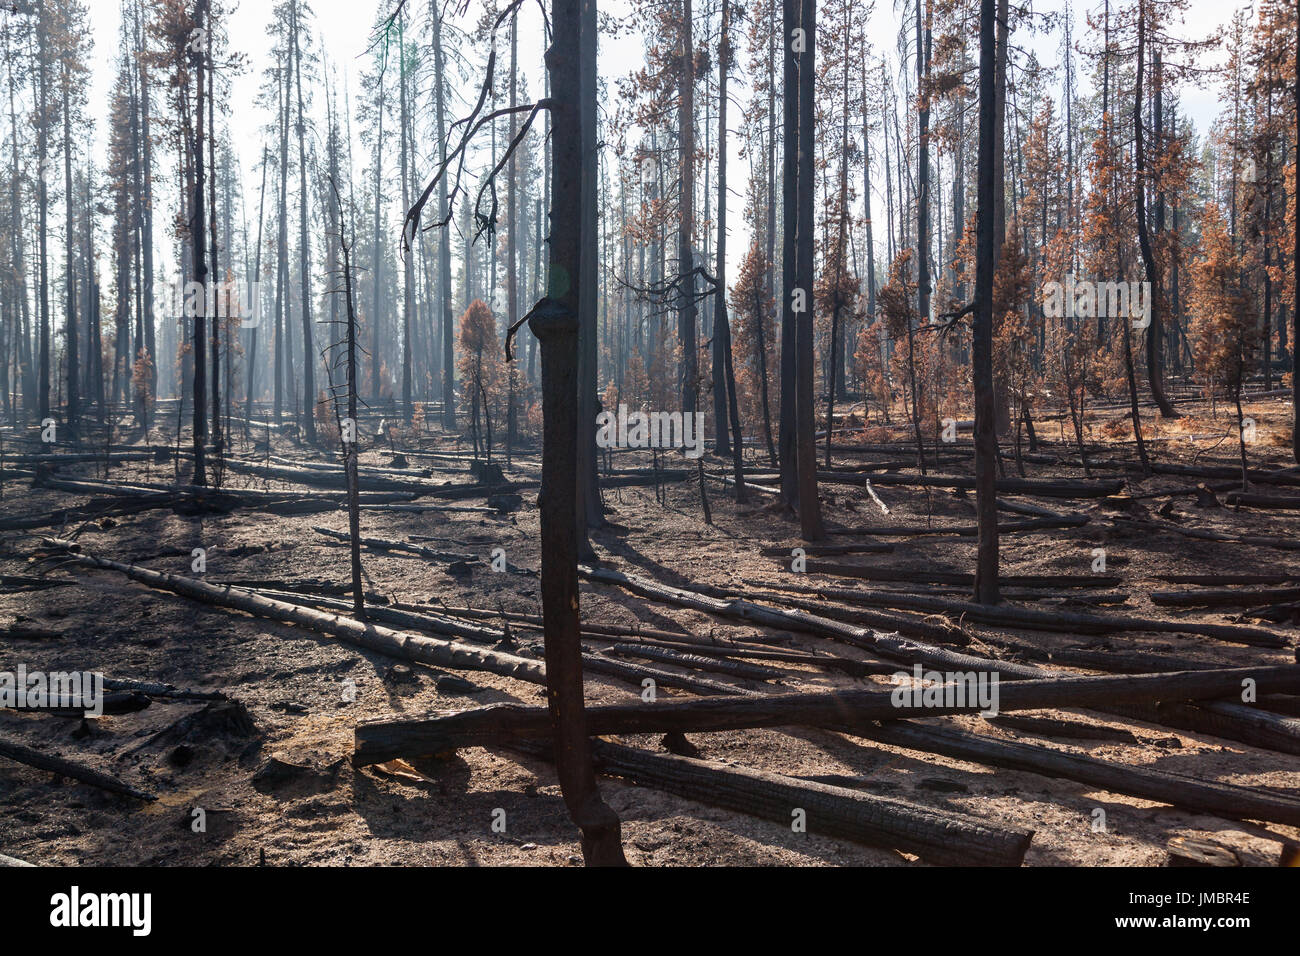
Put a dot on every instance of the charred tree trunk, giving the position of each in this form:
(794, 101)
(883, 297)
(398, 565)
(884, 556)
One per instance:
(555, 322)
(1155, 328)
(304, 252)
(408, 261)
(196, 222)
(72, 334)
(810, 514)
(786, 435)
(986, 442)
(687, 310)
(377, 253)
(721, 323)
(590, 511)
(42, 227)
(257, 304)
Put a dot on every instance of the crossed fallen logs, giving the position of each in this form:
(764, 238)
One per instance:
(934, 835)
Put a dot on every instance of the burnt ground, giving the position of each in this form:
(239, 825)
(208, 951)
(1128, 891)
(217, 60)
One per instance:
(283, 792)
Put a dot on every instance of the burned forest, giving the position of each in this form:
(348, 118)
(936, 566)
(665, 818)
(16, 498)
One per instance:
(653, 433)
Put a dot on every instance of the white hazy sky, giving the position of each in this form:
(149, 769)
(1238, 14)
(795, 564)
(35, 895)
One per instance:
(342, 29)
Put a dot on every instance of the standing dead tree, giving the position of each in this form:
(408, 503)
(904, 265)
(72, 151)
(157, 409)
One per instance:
(555, 321)
(348, 426)
(986, 442)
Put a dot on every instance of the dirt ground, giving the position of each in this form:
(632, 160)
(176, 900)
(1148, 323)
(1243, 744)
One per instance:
(285, 794)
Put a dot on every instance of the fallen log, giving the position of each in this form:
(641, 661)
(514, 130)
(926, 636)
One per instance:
(379, 740)
(163, 691)
(1227, 723)
(418, 508)
(1223, 718)
(440, 619)
(1210, 472)
(437, 624)
(91, 512)
(1264, 502)
(962, 579)
(1065, 597)
(1034, 511)
(637, 674)
(964, 531)
(112, 703)
(1221, 579)
(1255, 540)
(1069, 729)
(681, 658)
(338, 469)
(875, 497)
(1224, 597)
(853, 668)
(1045, 620)
(593, 628)
(749, 486)
(419, 487)
(862, 547)
(1218, 799)
(218, 497)
(66, 768)
(938, 630)
(1093, 658)
(383, 614)
(384, 544)
(1011, 486)
(942, 837)
(400, 644)
(68, 458)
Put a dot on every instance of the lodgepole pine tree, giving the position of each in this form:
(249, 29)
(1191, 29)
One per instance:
(555, 322)
(810, 514)
(986, 447)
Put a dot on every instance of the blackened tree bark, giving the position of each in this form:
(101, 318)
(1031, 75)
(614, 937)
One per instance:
(257, 304)
(377, 253)
(685, 254)
(866, 203)
(304, 249)
(986, 447)
(408, 258)
(1001, 388)
(444, 237)
(282, 250)
(196, 222)
(214, 383)
(923, 165)
(723, 363)
(512, 246)
(144, 202)
(351, 446)
(810, 512)
(555, 322)
(42, 204)
(72, 334)
(1155, 328)
(786, 436)
(590, 512)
